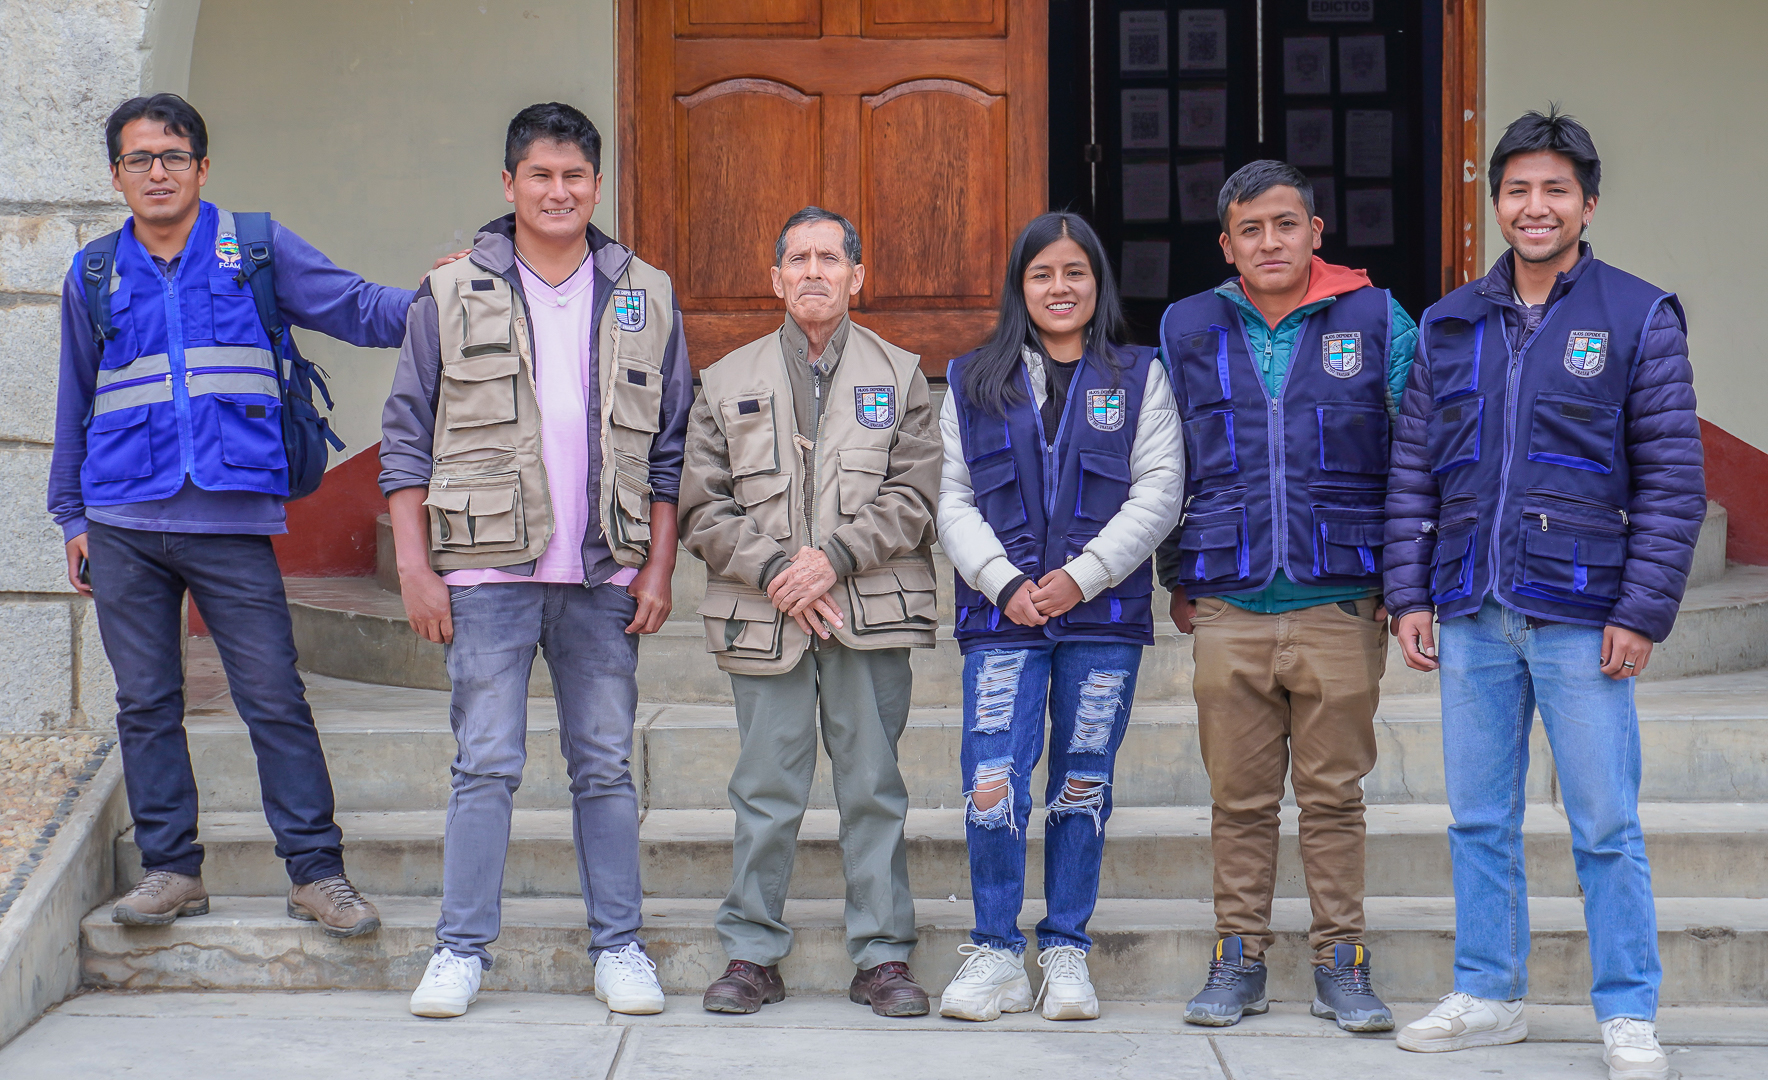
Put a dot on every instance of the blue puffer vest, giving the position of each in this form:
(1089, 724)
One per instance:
(1045, 505)
(189, 385)
(1529, 449)
(1295, 482)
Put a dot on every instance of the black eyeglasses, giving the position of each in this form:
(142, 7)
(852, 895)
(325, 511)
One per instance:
(142, 161)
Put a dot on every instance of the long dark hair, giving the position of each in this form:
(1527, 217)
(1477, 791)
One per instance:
(991, 377)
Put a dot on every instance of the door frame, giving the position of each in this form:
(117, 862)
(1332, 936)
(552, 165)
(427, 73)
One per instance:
(1464, 115)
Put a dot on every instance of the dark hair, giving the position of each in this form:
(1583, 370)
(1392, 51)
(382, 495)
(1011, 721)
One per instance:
(810, 215)
(989, 377)
(170, 110)
(1556, 131)
(1254, 179)
(554, 122)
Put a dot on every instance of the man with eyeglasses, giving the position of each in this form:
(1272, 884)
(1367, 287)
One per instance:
(169, 475)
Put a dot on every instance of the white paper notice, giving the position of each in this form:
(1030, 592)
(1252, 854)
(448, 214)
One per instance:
(1145, 269)
(1203, 118)
(1143, 35)
(1368, 143)
(1203, 40)
(1326, 202)
(1144, 120)
(1146, 196)
(1362, 64)
(1199, 184)
(1310, 137)
(1369, 217)
(1307, 65)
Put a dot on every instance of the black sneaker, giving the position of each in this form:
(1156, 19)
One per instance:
(1342, 992)
(1234, 989)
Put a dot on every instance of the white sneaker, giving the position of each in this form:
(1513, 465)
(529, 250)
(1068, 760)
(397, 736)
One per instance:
(1461, 1021)
(1631, 1050)
(991, 982)
(1067, 993)
(450, 984)
(626, 979)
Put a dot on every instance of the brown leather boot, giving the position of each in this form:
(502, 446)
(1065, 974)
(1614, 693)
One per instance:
(745, 988)
(159, 897)
(336, 906)
(889, 989)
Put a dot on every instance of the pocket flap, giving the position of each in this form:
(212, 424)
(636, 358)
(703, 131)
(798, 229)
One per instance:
(876, 583)
(916, 578)
(717, 605)
(992, 474)
(1353, 533)
(1105, 463)
(484, 368)
(447, 499)
(866, 459)
(1454, 545)
(118, 419)
(753, 609)
(1600, 551)
(1210, 537)
(752, 490)
(483, 502)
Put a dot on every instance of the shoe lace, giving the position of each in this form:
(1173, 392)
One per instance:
(1224, 975)
(1636, 1034)
(453, 972)
(980, 961)
(631, 962)
(340, 892)
(152, 884)
(1453, 1004)
(1353, 979)
(1062, 963)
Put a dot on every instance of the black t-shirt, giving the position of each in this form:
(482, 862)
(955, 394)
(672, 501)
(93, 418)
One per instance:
(1058, 376)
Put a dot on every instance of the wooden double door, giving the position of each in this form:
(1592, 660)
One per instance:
(922, 121)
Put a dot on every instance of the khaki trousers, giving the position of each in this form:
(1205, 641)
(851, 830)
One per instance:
(1299, 686)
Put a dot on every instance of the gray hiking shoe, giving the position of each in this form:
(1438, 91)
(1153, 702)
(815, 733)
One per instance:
(159, 897)
(336, 906)
(1235, 988)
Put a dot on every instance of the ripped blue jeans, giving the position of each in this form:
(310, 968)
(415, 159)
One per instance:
(1087, 688)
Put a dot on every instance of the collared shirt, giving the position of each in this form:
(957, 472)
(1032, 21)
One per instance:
(561, 322)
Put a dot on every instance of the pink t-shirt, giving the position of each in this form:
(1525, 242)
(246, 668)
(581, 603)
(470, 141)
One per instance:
(561, 324)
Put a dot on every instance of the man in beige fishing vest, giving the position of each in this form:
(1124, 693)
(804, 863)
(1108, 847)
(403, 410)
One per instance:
(531, 457)
(811, 475)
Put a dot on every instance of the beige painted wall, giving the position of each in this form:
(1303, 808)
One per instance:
(1672, 93)
(374, 129)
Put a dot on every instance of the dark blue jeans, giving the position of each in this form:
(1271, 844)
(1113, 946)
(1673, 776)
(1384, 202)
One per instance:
(139, 580)
(1087, 688)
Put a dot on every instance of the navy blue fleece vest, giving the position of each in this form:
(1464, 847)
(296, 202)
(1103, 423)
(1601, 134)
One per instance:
(1296, 481)
(1529, 448)
(1044, 505)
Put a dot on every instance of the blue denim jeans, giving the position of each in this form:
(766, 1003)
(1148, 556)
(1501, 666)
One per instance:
(594, 663)
(1495, 672)
(1087, 688)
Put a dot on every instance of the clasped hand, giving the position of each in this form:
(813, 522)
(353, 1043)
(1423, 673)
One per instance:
(1053, 595)
(801, 590)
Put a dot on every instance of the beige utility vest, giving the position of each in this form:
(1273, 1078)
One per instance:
(750, 395)
(488, 503)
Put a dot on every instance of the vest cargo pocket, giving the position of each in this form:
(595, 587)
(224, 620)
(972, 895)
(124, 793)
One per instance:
(251, 432)
(998, 494)
(480, 390)
(1353, 437)
(1212, 546)
(485, 315)
(862, 470)
(118, 445)
(894, 598)
(120, 351)
(767, 499)
(1574, 431)
(1568, 560)
(1451, 569)
(477, 514)
(235, 315)
(1201, 357)
(1104, 484)
(1209, 444)
(637, 397)
(749, 433)
(1347, 543)
(1453, 347)
(632, 499)
(740, 624)
(1455, 433)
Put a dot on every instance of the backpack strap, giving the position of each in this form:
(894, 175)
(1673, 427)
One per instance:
(257, 270)
(98, 272)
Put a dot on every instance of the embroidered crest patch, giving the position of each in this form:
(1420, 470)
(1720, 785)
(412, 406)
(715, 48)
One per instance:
(875, 406)
(629, 309)
(1342, 354)
(227, 251)
(1586, 353)
(1105, 409)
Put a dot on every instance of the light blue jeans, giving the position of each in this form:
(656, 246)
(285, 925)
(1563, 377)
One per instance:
(1495, 672)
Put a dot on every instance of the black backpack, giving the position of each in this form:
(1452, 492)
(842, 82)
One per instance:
(305, 433)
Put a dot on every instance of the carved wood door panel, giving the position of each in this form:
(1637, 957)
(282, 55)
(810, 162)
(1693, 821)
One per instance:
(922, 121)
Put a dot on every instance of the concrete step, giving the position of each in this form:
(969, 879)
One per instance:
(1705, 739)
(1696, 849)
(1715, 951)
(352, 629)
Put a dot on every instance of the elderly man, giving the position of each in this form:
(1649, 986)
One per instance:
(809, 486)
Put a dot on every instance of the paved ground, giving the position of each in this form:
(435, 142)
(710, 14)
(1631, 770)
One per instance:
(40, 776)
(370, 1036)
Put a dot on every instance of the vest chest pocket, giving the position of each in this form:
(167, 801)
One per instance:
(1452, 565)
(1353, 437)
(1567, 559)
(235, 312)
(894, 598)
(1454, 433)
(119, 445)
(1104, 484)
(862, 472)
(749, 433)
(1200, 358)
(767, 500)
(478, 391)
(483, 513)
(1212, 545)
(637, 398)
(998, 493)
(1453, 346)
(1347, 543)
(1209, 444)
(1575, 431)
(740, 624)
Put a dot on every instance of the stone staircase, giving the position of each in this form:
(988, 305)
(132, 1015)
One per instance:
(378, 695)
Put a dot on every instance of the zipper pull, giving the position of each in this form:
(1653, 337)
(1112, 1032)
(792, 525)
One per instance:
(1543, 522)
(1624, 519)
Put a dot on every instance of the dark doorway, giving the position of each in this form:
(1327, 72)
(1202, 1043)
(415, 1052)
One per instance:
(1153, 104)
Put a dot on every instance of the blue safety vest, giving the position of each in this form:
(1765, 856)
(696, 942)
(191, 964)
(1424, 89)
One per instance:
(1293, 481)
(1529, 447)
(188, 385)
(1044, 505)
